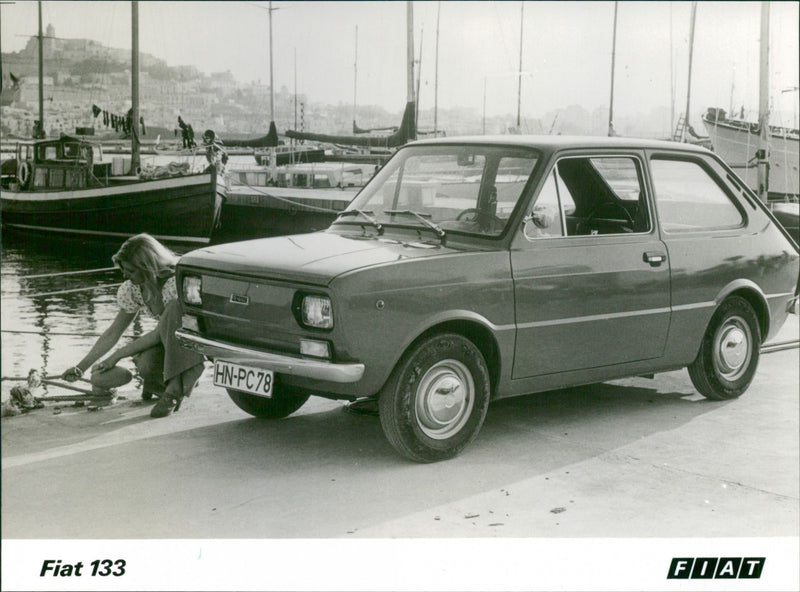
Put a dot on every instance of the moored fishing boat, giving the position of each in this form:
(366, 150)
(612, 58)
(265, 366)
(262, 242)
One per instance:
(62, 186)
(291, 199)
(737, 142)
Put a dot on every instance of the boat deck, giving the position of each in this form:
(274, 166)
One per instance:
(289, 197)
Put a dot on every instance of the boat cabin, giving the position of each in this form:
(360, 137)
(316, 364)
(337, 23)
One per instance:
(320, 175)
(63, 163)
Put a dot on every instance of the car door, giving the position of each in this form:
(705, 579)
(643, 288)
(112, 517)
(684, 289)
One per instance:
(591, 276)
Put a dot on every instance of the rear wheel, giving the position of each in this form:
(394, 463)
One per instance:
(436, 399)
(284, 401)
(728, 356)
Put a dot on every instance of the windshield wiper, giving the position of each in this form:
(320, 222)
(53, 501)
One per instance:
(422, 218)
(365, 214)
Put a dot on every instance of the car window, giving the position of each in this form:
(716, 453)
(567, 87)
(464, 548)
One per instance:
(470, 190)
(689, 199)
(598, 195)
(621, 174)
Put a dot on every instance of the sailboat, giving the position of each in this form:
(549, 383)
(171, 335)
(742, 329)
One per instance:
(766, 157)
(269, 150)
(736, 140)
(63, 185)
(382, 145)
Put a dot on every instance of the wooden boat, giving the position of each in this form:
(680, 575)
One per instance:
(289, 154)
(63, 186)
(737, 142)
(291, 199)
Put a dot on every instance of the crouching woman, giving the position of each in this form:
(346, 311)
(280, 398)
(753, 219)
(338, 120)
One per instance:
(168, 370)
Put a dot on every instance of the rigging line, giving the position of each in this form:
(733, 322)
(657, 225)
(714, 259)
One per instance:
(43, 294)
(289, 201)
(48, 275)
(54, 333)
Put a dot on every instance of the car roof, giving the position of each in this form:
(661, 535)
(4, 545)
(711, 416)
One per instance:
(551, 143)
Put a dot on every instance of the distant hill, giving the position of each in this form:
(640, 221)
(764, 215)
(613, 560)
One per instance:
(84, 57)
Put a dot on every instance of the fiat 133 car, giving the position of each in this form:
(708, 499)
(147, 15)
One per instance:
(468, 270)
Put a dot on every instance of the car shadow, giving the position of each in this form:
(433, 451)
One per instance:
(324, 472)
(604, 416)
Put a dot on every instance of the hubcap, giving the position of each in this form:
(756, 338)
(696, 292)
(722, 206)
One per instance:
(445, 397)
(732, 348)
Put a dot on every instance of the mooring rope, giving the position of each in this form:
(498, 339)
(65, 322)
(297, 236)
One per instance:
(82, 271)
(55, 333)
(43, 294)
(288, 201)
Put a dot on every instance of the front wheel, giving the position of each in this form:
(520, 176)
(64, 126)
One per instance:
(284, 401)
(728, 356)
(436, 399)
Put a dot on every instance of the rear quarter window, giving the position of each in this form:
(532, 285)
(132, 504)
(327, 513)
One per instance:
(689, 199)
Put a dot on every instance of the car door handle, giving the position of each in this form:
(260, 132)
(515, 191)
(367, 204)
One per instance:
(654, 258)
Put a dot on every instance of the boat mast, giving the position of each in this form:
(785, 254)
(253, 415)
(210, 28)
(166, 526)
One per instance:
(613, 59)
(484, 105)
(135, 160)
(271, 88)
(436, 76)
(519, 85)
(39, 132)
(763, 107)
(419, 75)
(355, 79)
(689, 81)
(410, 49)
(671, 75)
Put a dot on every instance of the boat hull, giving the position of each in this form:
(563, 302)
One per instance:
(260, 212)
(737, 144)
(177, 209)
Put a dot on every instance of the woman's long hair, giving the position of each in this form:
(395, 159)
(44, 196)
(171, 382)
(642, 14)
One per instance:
(146, 253)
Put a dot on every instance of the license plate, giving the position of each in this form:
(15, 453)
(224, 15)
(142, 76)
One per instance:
(255, 381)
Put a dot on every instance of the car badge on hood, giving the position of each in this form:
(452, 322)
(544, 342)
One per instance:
(236, 299)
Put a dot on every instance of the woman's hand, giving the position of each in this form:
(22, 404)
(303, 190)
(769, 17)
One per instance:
(105, 365)
(72, 374)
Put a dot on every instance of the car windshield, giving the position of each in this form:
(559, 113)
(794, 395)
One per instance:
(447, 189)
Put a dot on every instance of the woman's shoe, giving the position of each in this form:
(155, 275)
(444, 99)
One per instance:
(149, 395)
(166, 405)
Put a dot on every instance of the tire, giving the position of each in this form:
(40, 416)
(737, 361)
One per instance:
(284, 401)
(728, 355)
(436, 398)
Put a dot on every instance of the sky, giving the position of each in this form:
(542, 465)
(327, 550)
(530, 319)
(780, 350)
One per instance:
(346, 52)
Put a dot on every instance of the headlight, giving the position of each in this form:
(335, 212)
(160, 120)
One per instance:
(192, 289)
(317, 312)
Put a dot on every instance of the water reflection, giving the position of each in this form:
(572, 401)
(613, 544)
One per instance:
(46, 331)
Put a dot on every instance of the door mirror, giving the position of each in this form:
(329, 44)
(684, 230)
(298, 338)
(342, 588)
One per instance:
(545, 222)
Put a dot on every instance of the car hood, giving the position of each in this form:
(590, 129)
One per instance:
(315, 258)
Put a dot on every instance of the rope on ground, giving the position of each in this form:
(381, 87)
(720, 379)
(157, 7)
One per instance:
(59, 292)
(82, 271)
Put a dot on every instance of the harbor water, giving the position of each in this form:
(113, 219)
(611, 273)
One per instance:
(51, 316)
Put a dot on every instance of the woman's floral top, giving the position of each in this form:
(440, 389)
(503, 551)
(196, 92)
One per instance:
(130, 299)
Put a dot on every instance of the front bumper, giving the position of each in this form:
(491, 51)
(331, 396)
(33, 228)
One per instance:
(279, 363)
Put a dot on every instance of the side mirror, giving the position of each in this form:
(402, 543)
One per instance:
(543, 217)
